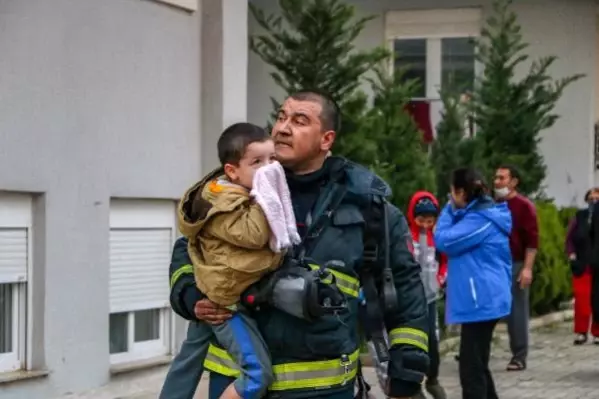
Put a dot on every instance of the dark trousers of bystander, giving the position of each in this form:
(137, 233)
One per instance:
(475, 352)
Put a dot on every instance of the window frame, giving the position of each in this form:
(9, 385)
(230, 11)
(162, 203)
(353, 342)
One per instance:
(146, 349)
(17, 213)
(131, 214)
(434, 62)
(15, 360)
(189, 5)
(444, 24)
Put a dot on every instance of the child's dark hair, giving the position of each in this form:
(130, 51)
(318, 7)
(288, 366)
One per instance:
(234, 141)
(471, 181)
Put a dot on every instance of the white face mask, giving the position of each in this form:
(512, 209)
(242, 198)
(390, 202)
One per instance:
(502, 192)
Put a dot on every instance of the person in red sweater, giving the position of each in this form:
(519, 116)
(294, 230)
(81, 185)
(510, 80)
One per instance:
(524, 241)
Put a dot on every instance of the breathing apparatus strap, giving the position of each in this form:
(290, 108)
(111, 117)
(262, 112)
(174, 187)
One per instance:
(335, 197)
(376, 230)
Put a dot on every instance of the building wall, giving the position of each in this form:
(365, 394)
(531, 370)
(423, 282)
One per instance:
(98, 99)
(567, 146)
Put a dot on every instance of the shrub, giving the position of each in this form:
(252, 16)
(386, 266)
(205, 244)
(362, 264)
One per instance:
(511, 114)
(566, 214)
(446, 153)
(399, 158)
(552, 283)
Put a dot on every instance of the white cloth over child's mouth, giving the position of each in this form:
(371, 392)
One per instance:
(271, 192)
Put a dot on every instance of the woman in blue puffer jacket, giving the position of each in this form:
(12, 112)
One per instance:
(473, 231)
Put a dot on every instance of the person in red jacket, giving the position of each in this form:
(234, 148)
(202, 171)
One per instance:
(422, 214)
(578, 248)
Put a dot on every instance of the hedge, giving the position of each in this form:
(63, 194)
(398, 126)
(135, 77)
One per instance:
(552, 278)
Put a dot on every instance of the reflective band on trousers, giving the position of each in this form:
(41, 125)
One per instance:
(300, 375)
(409, 336)
(185, 269)
(346, 284)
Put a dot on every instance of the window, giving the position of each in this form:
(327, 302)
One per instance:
(410, 54)
(141, 240)
(15, 258)
(436, 47)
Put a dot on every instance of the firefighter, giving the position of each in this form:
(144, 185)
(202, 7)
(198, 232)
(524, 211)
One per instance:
(334, 202)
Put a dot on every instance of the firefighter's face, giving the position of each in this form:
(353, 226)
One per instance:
(301, 142)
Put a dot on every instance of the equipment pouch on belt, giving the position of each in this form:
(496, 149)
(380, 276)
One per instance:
(298, 290)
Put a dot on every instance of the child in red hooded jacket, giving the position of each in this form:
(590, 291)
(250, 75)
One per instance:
(422, 214)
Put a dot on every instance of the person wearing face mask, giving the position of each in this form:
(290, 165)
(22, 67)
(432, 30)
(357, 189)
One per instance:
(579, 251)
(473, 231)
(524, 241)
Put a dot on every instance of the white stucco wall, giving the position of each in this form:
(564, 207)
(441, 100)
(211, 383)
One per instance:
(552, 27)
(101, 99)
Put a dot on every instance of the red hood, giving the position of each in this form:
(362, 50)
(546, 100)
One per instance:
(442, 272)
(415, 198)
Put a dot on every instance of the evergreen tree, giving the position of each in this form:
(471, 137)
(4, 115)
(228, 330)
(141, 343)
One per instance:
(311, 46)
(399, 157)
(511, 113)
(447, 153)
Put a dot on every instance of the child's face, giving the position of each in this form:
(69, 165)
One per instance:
(256, 155)
(425, 221)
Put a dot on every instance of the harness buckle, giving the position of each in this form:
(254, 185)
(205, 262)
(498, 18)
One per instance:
(346, 364)
(370, 254)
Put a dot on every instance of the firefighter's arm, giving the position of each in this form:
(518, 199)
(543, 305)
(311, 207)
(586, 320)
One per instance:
(184, 292)
(408, 327)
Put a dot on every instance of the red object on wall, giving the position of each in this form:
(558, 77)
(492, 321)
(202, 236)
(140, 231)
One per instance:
(421, 113)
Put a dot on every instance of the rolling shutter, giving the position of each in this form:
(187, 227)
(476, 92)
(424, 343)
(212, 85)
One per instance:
(139, 260)
(455, 22)
(13, 255)
(141, 242)
(15, 239)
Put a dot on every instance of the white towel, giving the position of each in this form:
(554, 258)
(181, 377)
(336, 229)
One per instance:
(271, 192)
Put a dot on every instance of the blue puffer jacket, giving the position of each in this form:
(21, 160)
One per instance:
(479, 276)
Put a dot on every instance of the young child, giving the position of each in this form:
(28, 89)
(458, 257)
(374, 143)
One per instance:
(231, 245)
(422, 214)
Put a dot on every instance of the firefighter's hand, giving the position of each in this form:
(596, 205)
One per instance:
(211, 313)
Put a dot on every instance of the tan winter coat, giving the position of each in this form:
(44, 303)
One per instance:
(228, 238)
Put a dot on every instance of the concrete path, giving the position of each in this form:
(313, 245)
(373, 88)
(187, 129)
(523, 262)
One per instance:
(557, 370)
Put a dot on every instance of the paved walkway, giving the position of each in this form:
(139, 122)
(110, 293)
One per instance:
(557, 370)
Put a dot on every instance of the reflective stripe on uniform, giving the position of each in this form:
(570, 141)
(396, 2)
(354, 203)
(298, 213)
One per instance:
(346, 284)
(185, 269)
(409, 336)
(299, 375)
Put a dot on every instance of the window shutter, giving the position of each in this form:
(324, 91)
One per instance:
(139, 260)
(459, 22)
(13, 255)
